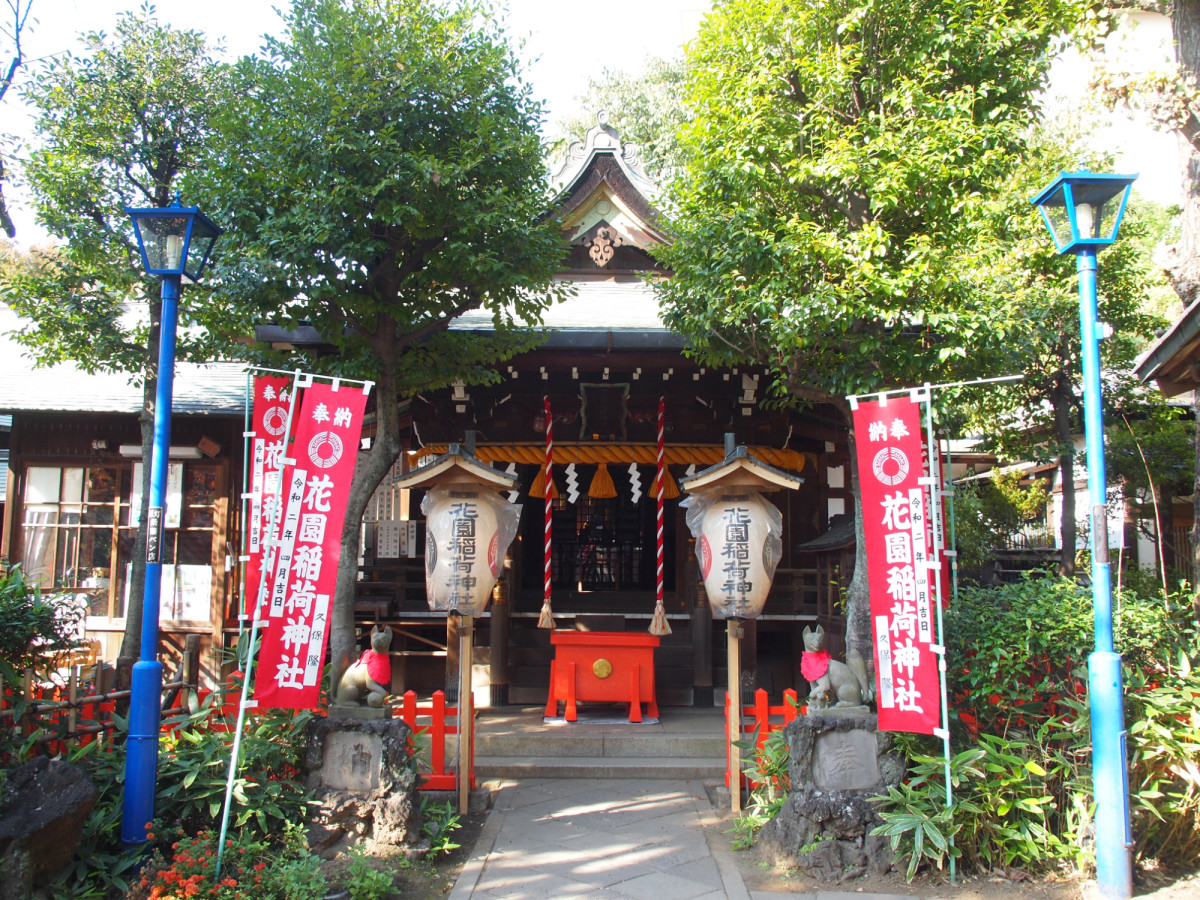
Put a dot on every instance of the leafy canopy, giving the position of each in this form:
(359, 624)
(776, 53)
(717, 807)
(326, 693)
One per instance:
(115, 127)
(837, 161)
(382, 175)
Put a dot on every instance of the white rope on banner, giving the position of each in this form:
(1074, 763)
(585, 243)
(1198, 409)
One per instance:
(269, 556)
(934, 498)
(307, 378)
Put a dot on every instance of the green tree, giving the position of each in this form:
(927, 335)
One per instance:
(836, 170)
(646, 108)
(382, 175)
(11, 31)
(1170, 94)
(114, 127)
(1041, 416)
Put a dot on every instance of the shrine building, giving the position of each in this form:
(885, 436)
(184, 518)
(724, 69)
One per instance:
(606, 364)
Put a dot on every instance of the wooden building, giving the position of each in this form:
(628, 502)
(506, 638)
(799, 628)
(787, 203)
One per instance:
(606, 362)
(74, 475)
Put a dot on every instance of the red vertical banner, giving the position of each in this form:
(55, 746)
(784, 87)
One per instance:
(899, 572)
(316, 487)
(268, 445)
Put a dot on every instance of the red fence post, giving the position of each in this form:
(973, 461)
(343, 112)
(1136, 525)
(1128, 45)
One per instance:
(437, 751)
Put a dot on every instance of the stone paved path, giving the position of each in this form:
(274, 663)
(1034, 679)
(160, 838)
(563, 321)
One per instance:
(607, 839)
(565, 838)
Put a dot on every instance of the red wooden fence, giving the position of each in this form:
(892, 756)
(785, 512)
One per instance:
(430, 721)
(760, 718)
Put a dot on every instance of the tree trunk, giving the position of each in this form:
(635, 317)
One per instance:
(1066, 467)
(1196, 512)
(367, 477)
(1184, 258)
(1184, 266)
(131, 639)
(858, 593)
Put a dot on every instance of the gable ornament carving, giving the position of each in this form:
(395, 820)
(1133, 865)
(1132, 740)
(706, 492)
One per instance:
(602, 246)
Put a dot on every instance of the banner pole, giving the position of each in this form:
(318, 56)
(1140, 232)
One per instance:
(935, 563)
(248, 670)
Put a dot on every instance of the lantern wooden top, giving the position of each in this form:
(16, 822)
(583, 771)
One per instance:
(456, 466)
(741, 470)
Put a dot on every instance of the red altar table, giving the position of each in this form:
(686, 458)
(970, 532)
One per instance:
(605, 666)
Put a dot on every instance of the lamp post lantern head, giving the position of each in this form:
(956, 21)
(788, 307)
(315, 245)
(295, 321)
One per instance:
(174, 240)
(1084, 209)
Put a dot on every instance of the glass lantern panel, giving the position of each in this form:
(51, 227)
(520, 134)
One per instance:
(198, 251)
(163, 238)
(1097, 204)
(1054, 211)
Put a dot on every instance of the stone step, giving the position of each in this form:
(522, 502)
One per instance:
(602, 745)
(692, 768)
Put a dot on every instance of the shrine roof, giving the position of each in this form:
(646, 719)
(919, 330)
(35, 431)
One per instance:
(1173, 361)
(596, 306)
(214, 389)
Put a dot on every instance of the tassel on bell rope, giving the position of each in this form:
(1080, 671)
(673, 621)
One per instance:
(670, 488)
(658, 624)
(545, 617)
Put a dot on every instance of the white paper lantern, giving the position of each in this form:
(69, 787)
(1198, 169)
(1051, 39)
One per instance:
(468, 533)
(738, 545)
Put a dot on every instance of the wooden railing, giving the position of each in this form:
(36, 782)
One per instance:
(430, 722)
(759, 719)
(67, 710)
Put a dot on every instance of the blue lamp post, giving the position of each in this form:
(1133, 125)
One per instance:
(1083, 211)
(174, 242)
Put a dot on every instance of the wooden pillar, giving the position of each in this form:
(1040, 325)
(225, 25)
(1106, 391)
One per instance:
(749, 659)
(702, 662)
(453, 629)
(466, 712)
(734, 633)
(498, 642)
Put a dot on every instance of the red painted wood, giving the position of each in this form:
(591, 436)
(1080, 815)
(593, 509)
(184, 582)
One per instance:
(631, 680)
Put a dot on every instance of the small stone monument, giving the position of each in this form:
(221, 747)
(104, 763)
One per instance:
(836, 763)
(364, 785)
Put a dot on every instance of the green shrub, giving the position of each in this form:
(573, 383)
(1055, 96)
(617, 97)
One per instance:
(187, 867)
(193, 765)
(1017, 677)
(33, 627)
(766, 768)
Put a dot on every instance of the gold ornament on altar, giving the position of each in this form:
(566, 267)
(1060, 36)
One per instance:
(602, 668)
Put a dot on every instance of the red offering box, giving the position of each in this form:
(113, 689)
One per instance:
(602, 666)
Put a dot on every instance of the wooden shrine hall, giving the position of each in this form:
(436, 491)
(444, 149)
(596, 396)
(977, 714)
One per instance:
(605, 366)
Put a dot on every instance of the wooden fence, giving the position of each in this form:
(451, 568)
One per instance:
(430, 722)
(56, 717)
(68, 710)
(759, 719)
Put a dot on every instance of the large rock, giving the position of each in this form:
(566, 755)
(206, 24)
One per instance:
(835, 764)
(42, 811)
(366, 788)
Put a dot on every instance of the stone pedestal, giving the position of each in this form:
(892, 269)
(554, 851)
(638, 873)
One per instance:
(836, 763)
(363, 783)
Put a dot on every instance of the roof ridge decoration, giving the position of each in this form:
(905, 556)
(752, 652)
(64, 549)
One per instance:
(603, 138)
